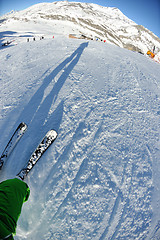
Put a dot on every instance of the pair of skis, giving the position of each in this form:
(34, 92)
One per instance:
(48, 139)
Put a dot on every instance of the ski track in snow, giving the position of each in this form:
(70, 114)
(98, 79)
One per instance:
(98, 180)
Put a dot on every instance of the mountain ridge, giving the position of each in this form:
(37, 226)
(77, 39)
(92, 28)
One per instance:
(92, 20)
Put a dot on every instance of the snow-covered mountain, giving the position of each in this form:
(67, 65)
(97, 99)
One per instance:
(87, 19)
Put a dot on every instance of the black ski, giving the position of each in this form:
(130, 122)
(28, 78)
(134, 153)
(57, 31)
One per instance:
(37, 154)
(12, 142)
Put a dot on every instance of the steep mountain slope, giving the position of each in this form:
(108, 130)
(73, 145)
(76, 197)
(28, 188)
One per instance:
(100, 179)
(91, 20)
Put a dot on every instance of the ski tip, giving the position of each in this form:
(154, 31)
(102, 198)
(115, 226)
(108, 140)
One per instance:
(22, 125)
(52, 133)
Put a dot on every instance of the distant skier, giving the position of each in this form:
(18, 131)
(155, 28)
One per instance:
(13, 193)
(6, 43)
(154, 49)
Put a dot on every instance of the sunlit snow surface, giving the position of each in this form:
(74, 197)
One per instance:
(101, 177)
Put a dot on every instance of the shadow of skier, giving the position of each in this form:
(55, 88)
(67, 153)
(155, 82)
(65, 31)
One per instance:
(36, 112)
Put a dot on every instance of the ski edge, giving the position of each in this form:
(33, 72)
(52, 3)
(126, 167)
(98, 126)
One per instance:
(12, 144)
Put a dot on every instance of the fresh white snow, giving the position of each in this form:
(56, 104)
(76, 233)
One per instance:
(101, 177)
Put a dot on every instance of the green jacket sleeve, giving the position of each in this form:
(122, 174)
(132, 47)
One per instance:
(13, 193)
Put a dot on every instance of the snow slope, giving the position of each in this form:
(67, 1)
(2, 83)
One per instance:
(101, 177)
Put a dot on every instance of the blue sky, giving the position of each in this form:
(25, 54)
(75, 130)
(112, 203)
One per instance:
(143, 12)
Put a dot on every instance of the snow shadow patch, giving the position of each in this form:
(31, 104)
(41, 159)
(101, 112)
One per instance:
(7, 34)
